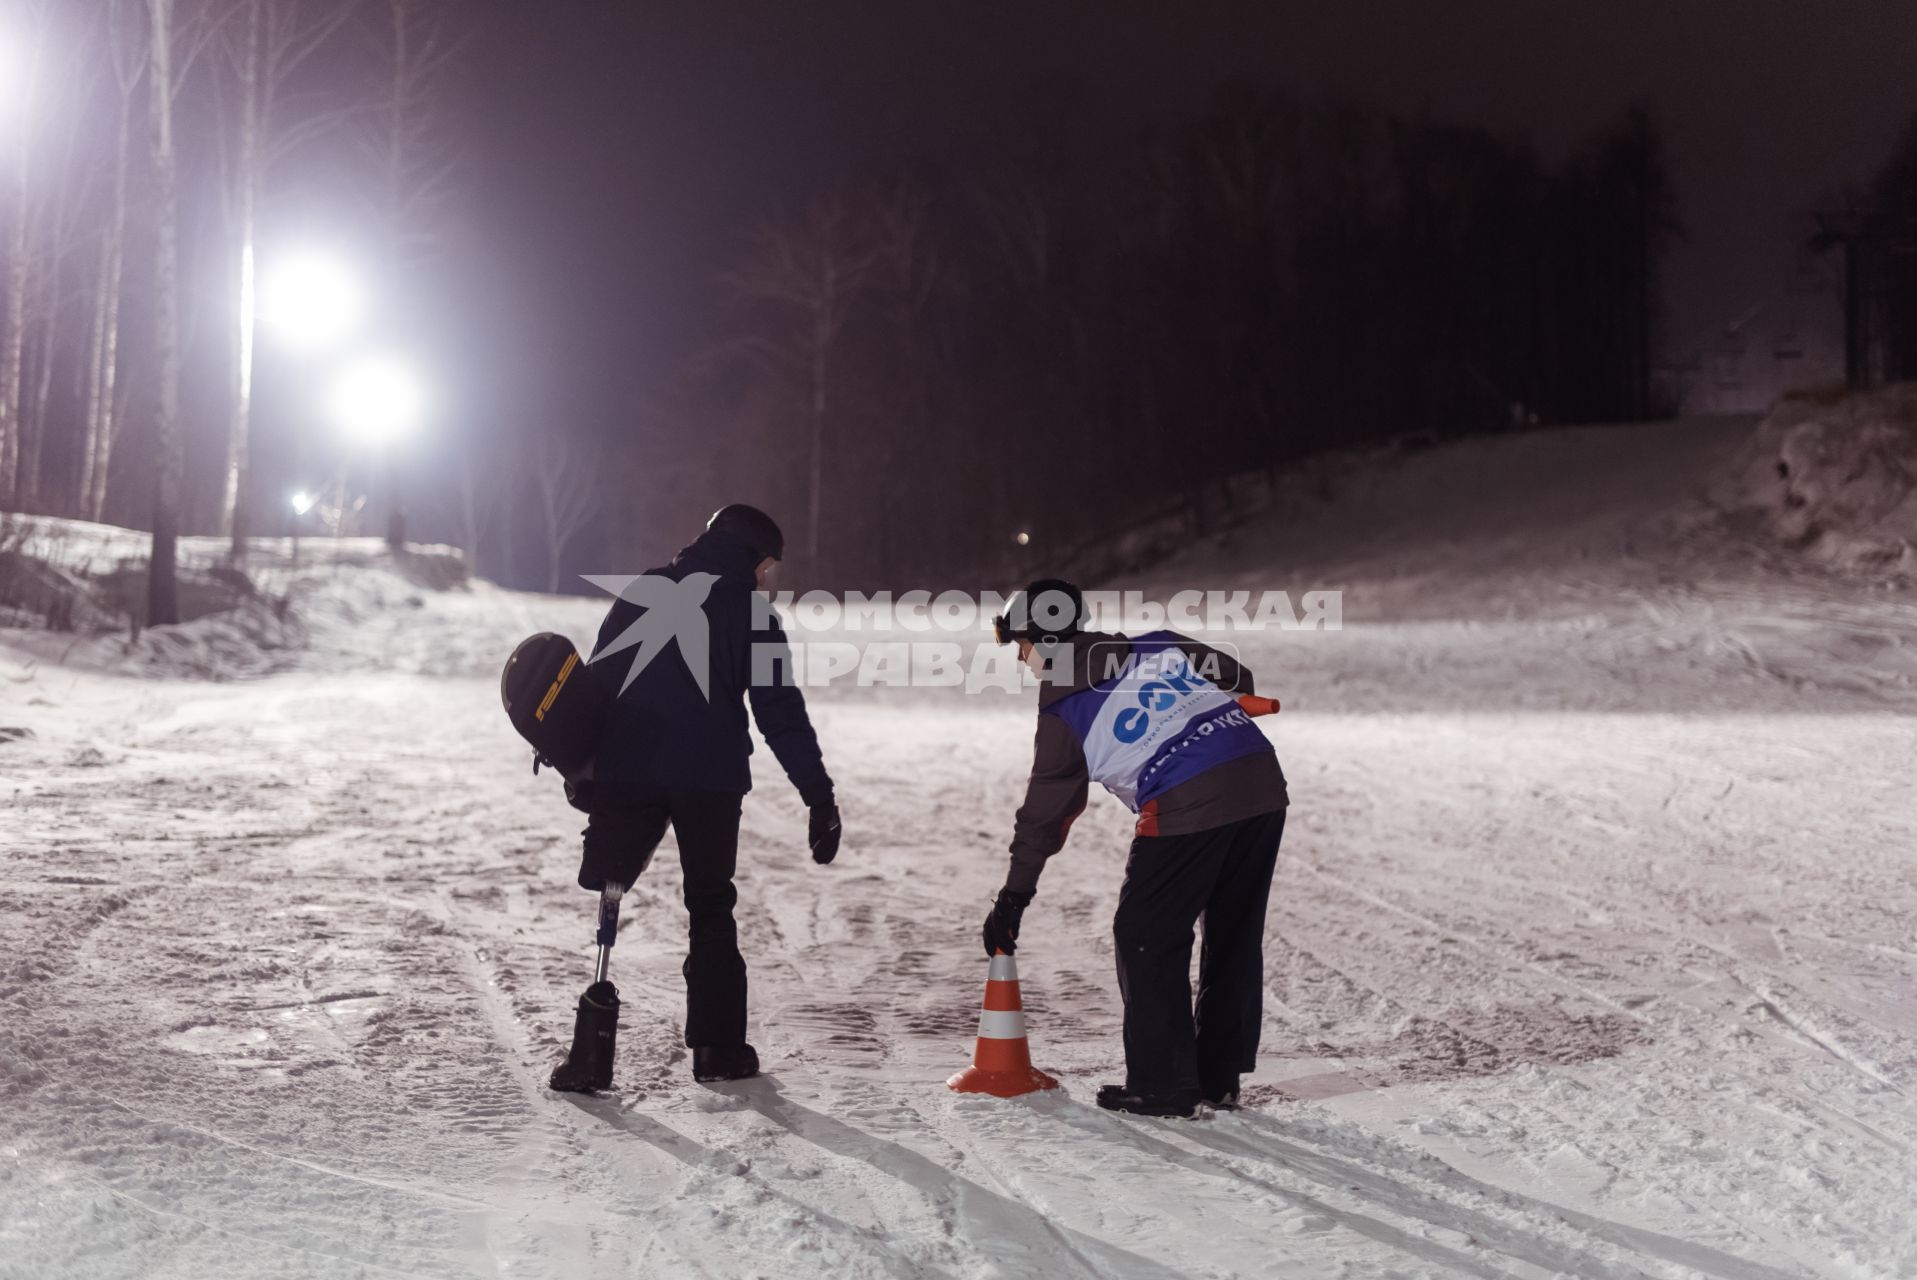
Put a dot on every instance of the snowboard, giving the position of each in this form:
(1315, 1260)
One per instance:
(554, 703)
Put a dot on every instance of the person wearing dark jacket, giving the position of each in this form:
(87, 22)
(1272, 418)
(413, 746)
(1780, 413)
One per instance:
(1165, 724)
(675, 752)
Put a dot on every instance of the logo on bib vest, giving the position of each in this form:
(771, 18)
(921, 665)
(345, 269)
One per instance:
(1168, 677)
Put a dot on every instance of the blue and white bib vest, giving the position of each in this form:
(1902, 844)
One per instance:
(1156, 723)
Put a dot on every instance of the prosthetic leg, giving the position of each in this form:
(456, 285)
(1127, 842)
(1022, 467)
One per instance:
(595, 1029)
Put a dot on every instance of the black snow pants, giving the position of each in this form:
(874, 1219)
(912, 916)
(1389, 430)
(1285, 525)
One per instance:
(625, 827)
(1223, 877)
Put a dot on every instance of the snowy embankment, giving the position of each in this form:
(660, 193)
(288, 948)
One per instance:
(1591, 951)
(316, 604)
(1837, 479)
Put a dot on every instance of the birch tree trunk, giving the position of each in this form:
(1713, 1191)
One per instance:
(13, 328)
(102, 422)
(273, 38)
(247, 183)
(163, 598)
(33, 426)
(476, 506)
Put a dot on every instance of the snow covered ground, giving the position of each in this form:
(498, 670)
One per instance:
(1593, 949)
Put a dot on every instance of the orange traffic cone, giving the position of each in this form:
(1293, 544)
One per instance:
(1002, 1064)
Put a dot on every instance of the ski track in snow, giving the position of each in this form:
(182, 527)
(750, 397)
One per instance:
(1592, 954)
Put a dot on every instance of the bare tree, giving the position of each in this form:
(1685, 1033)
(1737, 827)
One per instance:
(566, 475)
(803, 277)
(167, 69)
(162, 591)
(103, 345)
(407, 142)
(60, 195)
(13, 328)
(909, 273)
(419, 163)
(247, 56)
(265, 42)
(476, 495)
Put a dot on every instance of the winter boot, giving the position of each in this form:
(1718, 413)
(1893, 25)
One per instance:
(711, 1063)
(1221, 1092)
(595, 1032)
(1180, 1104)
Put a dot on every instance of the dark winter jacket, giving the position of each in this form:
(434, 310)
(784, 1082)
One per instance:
(1216, 770)
(662, 731)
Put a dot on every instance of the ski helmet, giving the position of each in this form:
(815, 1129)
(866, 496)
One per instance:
(1045, 612)
(751, 526)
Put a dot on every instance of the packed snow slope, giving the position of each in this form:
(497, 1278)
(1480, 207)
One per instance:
(1592, 951)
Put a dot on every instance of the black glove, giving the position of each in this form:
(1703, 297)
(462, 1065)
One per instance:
(1001, 927)
(822, 832)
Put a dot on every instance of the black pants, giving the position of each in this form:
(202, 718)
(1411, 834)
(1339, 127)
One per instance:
(1223, 877)
(625, 827)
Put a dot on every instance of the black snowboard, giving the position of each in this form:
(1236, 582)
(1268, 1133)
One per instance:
(554, 702)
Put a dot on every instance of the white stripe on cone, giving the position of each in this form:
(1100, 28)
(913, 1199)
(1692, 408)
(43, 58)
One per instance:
(1001, 1024)
(1004, 969)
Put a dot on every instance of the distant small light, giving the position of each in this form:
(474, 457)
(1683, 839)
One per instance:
(302, 502)
(1024, 538)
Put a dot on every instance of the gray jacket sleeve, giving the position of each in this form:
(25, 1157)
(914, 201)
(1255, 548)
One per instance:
(1054, 796)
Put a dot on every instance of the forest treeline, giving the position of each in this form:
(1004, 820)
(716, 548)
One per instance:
(910, 367)
(917, 368)
(1877, 229)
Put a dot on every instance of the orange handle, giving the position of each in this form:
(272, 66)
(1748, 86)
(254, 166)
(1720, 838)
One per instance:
(1257, 706)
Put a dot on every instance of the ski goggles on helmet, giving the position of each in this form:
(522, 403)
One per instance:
(1002, 630)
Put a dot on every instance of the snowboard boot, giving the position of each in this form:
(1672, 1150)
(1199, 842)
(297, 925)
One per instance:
(1181, 1104)
(714, 1062)
(1220, 1092)
(595, 1032)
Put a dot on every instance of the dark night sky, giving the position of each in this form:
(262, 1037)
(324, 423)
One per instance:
(622, 148)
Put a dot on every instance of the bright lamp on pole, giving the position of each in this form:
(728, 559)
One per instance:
(311, 301)
(377, 399)
(302, 502)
